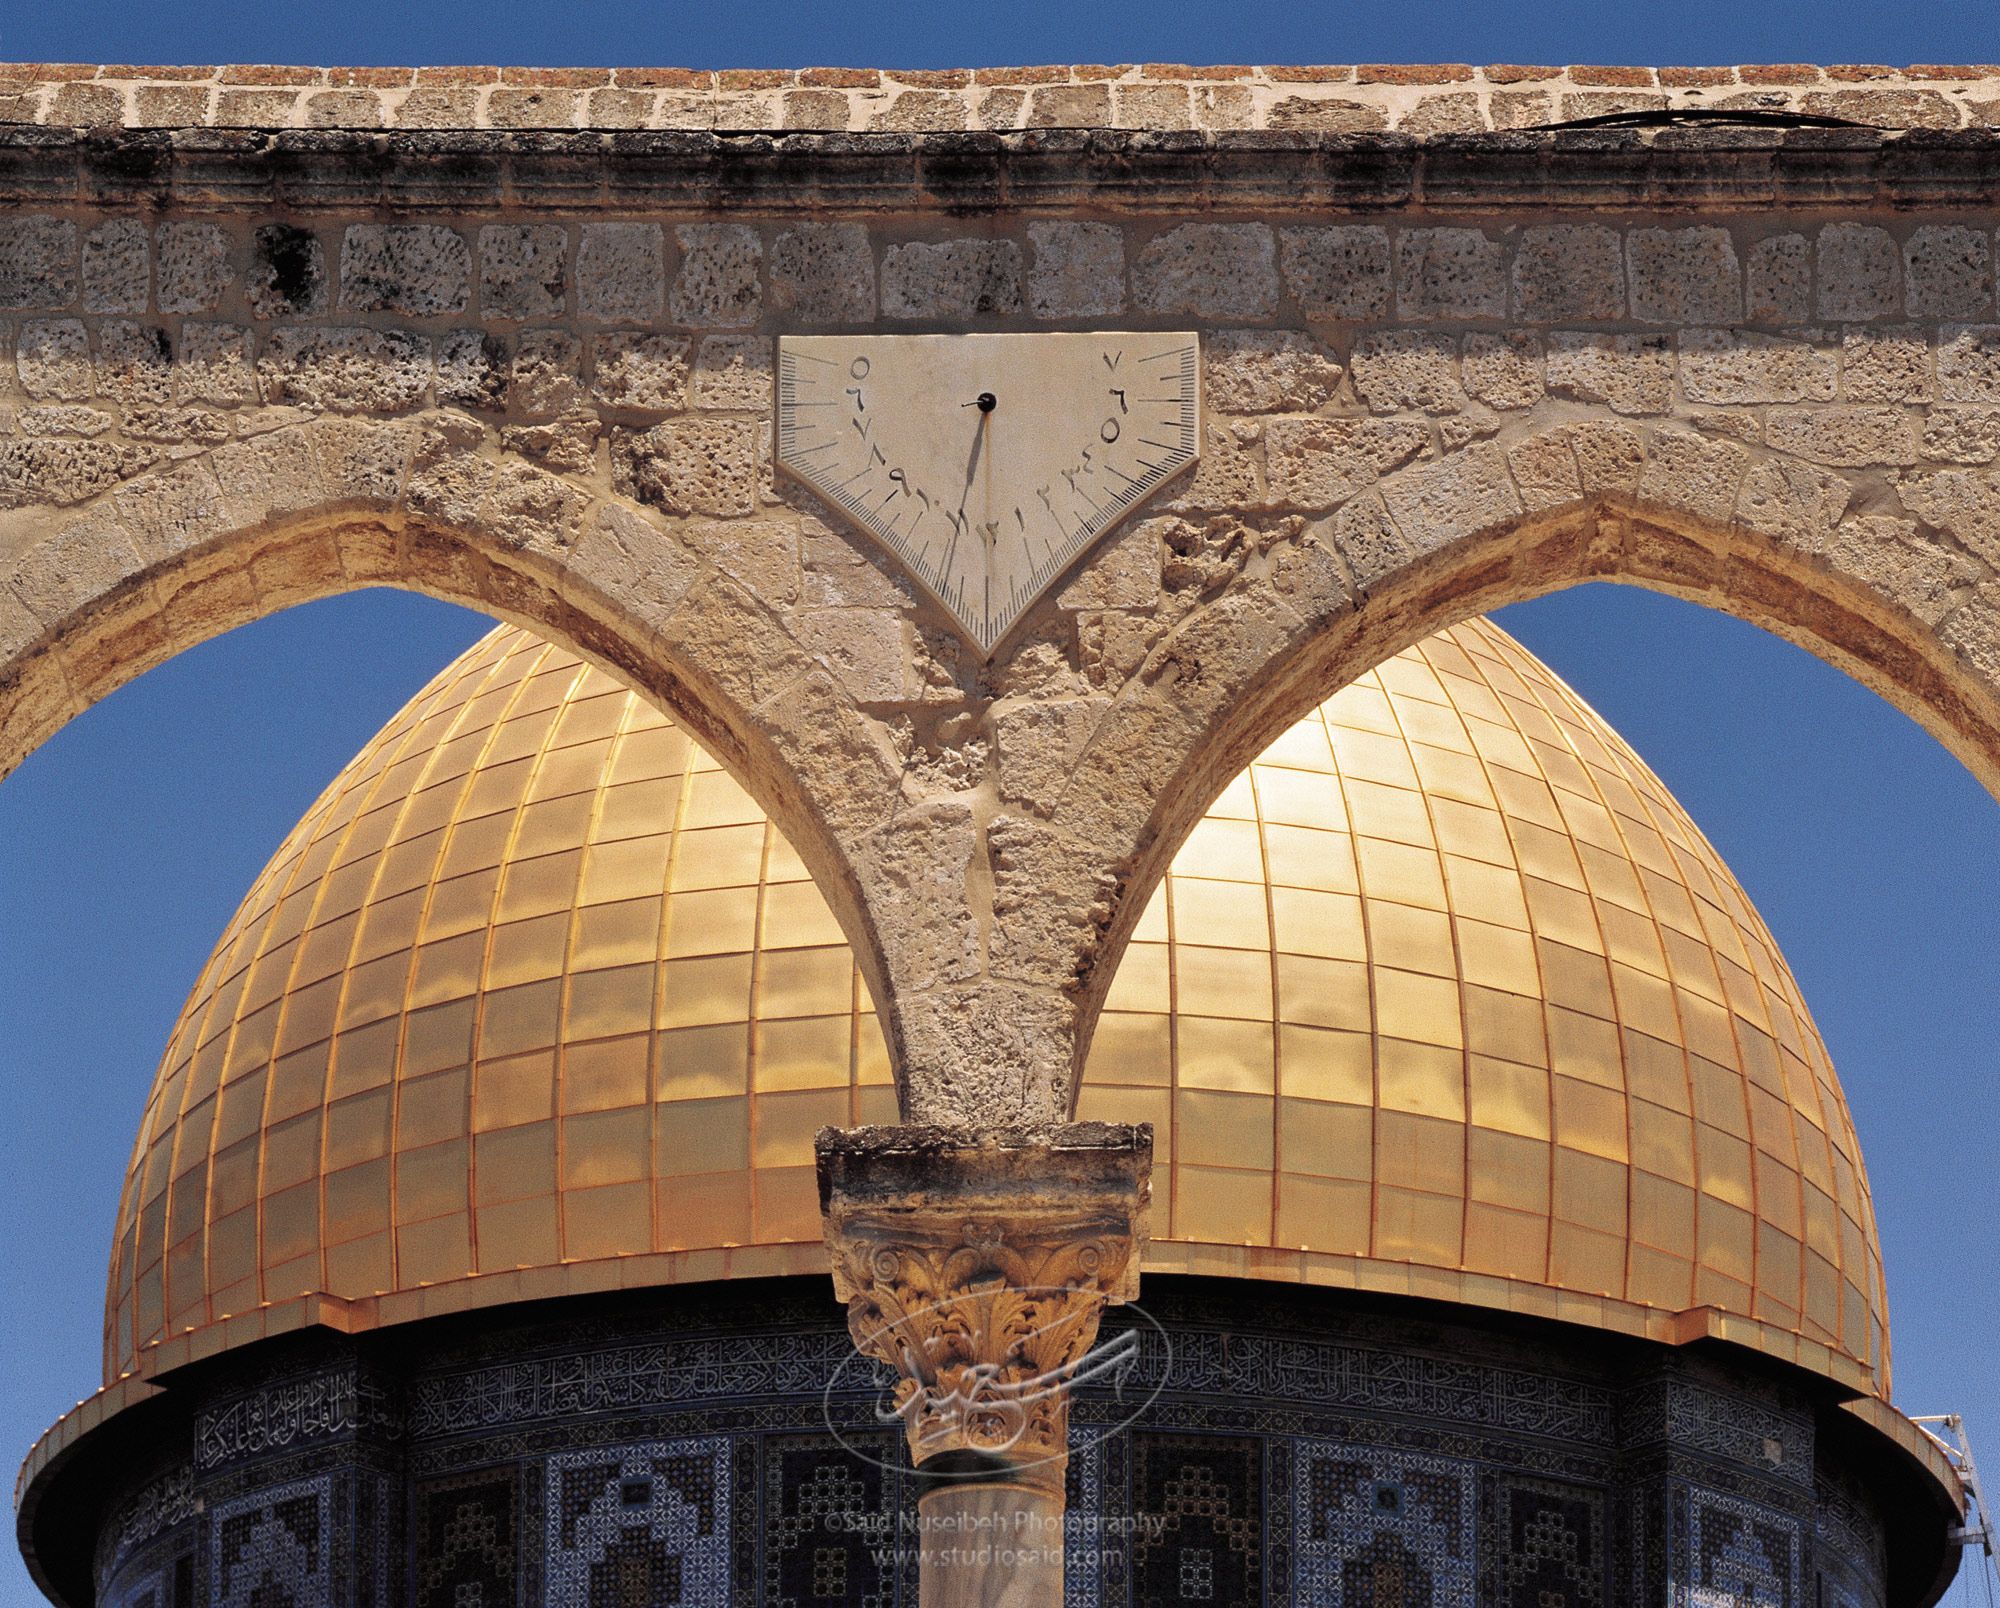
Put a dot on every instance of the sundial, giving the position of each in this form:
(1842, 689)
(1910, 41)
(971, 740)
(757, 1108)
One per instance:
(988, 464)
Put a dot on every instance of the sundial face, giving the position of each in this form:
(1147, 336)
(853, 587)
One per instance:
(988, 463)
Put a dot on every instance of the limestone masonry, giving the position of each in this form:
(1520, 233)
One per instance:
(259, 350)
(1430, 99)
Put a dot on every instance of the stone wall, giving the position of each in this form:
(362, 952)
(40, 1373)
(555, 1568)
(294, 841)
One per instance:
(1414, 100)
(534, 377)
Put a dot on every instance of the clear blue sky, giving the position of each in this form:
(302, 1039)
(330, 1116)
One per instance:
(937, 33)
(126, 841)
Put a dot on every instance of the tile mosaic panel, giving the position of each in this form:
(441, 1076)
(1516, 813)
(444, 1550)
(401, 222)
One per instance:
(1740, 1555)
(465, 1537)
(274, 1548)
(1543, 1544)
(1383, 1527)
(831, 1534)
(1199, 1511)
(639, 1524)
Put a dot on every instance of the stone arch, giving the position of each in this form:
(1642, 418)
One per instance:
(1907, 606)
(185, 552)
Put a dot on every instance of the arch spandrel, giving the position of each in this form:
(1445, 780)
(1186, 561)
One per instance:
(1779, 405)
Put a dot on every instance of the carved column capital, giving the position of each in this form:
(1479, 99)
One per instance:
(978, 1266)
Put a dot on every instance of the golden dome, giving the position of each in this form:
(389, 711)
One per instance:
(1445, 996)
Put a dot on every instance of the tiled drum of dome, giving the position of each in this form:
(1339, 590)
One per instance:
(1446, 995)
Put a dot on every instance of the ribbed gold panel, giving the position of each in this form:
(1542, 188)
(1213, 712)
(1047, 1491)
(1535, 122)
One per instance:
(1447, 981)
(534, 982)
(1445, 995)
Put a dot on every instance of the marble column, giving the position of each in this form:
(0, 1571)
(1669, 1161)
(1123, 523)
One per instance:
(977, 1266)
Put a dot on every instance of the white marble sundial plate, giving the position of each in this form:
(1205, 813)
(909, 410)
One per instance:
(988, 463)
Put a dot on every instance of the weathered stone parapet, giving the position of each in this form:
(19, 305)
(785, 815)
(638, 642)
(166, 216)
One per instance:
(1037, 172)
(1420, 99)
(978, 1266)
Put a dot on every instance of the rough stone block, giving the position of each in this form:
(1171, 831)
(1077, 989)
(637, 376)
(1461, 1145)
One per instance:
(1628, 373)
(58, 472)
(1968, 363)
(38, 262)
(1450, 273)
(1737, 366)
(1341, 272)
(1225, 477)
(566, 446)
(1962, 435)
(52, 357)
(1963, 503)
(1317, 464)
(191, 266)
(134, 363)
(523, 270)
(418, 269)
(117, 267)
(1078, 270)
(1404, 370)
(213, 365)
(921, 111)
(1948, 272)
(1843, 437)
(532, 509)
(718, 285)
(1779, 273)
(1693, 475)
(641, 371)
(815, 109)
(824, 272)
(346, 370)
(287, 276)
(63, 418)
(1436, 504)
(1684, 276)
(1504, 370)
(546, 382)
(621, 272)
(1267, 371)
(472, 371)
(732, 373)
(1327, 114)
(1860, 272)
(625, 555)
(64, 573)
(951, 279)
(1070, 106)
(1210, 270)
(1036, 744)
(1569, 270)
(1886, 363)
(270, 474)
(689, 466)
(1792, 502)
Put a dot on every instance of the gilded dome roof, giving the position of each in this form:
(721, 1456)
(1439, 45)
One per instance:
(1444, 996)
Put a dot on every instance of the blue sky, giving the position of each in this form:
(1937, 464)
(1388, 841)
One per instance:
(937, 33)
(127, 840)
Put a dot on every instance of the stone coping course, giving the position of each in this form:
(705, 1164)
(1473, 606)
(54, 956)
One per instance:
(1414, 99)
